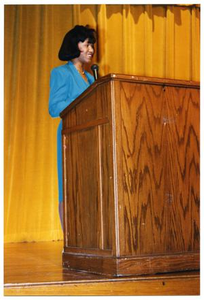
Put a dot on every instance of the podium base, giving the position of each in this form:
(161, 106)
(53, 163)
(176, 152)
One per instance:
(127, 266)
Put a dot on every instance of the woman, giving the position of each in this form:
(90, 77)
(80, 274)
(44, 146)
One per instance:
(68, 81)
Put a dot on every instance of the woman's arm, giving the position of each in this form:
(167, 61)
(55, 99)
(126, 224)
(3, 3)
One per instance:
(59, 91)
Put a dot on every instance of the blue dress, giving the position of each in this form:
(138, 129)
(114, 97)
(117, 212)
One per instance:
(66, 84)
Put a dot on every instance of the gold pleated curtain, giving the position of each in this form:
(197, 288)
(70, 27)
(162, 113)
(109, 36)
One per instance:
(151, 40)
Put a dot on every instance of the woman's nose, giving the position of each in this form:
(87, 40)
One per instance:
(91, 48)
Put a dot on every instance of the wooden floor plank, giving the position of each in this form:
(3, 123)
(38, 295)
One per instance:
(36, 269)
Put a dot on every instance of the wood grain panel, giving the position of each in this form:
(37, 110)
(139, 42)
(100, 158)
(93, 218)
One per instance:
(88, 172)
(107, 196)
(89, 189)
(89, 110)
(159, 198)
(182, 186)
(83, 207)
(143, 169)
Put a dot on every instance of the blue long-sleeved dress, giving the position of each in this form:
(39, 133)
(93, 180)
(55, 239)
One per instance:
(66, 84)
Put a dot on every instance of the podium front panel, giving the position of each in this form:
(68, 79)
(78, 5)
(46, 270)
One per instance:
(88, 173)
(159, 170)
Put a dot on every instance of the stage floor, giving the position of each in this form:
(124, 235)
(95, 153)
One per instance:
(36, 269)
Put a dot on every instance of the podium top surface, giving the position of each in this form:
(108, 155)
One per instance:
(132, 79)
(147, 80)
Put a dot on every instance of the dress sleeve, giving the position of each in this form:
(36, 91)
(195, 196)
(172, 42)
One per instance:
(59, 91)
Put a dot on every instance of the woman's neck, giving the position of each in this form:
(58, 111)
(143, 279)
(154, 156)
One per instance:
(78, 65)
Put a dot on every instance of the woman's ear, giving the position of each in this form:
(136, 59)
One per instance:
(80, 46)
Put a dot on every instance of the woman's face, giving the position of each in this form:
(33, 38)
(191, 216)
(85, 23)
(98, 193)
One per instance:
(86, 51)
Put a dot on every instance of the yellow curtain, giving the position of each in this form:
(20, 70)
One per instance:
(151, 40)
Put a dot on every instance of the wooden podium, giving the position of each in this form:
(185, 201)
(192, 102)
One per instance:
(131, 177)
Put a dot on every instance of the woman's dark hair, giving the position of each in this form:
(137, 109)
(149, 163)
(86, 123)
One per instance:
(69, 48)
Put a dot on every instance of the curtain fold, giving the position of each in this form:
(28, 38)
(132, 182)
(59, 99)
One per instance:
(150, 40)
